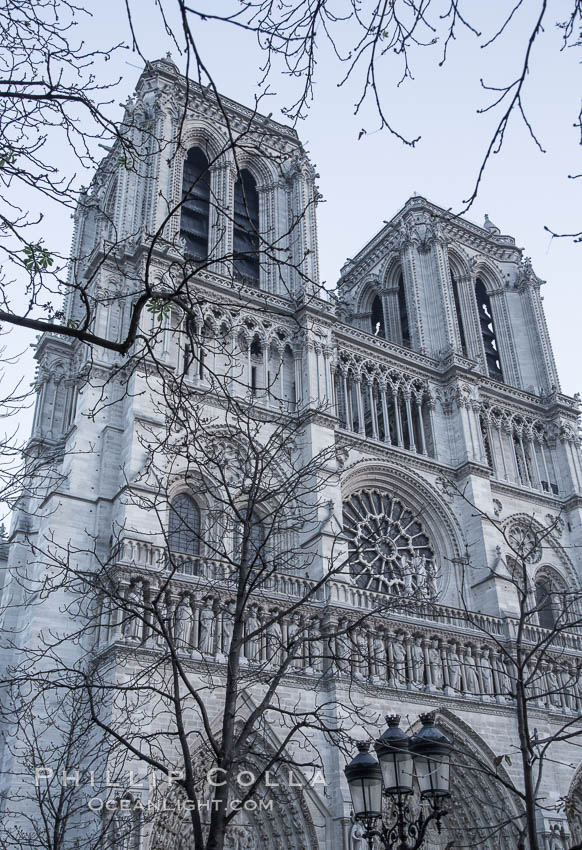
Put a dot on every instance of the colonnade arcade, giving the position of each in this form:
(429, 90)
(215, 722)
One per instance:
(384, 404)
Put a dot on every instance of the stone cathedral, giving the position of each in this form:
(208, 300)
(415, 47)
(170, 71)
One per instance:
(430, 373)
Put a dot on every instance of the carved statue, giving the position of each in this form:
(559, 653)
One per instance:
(486, 672)
(184, 620)
(357, 840)
(132, 624)
(274, 637)
(430, 587)
(408, 583)
(554, 689)
(416, 566)
(417, 659)
(454, 668)
(435, 662)
(342, 649)
(503, 678)
(315, 645)
(252, 644)
(162, 618)
(471, 678)
(399, 656)
(293, 645)
(379, 655)
(206, 644)
(227, 626)
(361, 654)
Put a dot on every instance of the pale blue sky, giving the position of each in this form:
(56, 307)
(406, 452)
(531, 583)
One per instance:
(366, 181)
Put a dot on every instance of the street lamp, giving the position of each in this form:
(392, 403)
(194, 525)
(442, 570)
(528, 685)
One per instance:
(400, 758)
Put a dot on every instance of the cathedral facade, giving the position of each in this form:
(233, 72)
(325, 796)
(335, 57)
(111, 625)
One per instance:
(430, 375)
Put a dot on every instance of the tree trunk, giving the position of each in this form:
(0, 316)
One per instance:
(528, 786)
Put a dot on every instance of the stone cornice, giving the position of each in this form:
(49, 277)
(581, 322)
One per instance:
(523, 494)
(471, 468)
(369, 447)
(498, 247)
(198, 93)
(354, 340)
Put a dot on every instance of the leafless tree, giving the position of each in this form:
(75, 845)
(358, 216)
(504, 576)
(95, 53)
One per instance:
(216, 647)
(531, 663)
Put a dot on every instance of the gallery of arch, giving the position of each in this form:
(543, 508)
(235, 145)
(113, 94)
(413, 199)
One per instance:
(431, 466)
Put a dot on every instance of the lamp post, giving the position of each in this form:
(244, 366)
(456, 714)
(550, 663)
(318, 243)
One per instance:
(400, 758)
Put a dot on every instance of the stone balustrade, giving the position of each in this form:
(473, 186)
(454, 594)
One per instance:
(145, 557)
(423, 647)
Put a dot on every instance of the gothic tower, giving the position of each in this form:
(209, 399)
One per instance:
(429, 376)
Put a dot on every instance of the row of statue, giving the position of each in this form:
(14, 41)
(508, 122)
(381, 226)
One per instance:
(203, 627)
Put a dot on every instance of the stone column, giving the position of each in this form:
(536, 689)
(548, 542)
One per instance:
(373, 411)
(514, 455)
(349, 422)
(531, 443)
(431, 406)
(527, 481)
(399, 437)
(421, 426)
(411, 443)
(361, 423)
(298, 361)
(387, 437)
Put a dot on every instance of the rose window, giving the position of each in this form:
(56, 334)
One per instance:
(388, 549)
(524, 543)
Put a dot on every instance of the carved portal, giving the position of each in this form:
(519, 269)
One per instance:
(284, 823)
(389, 550)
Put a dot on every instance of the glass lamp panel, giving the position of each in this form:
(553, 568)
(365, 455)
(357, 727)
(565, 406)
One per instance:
(432, 775)
(366, 797)
(422, 768)
(397, 772)
(442, 775)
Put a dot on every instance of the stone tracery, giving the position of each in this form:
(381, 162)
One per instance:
(389, 550)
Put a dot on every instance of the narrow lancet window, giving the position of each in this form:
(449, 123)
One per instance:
(195, 215)
(488, 331)
(377, 318)
(184, 525)
(403, 311)
(246, 229)
(544, 604)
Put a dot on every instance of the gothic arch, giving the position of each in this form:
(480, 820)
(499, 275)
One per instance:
(489, 273)
(289, 823)
(481, 800)
(367, 292)
(205, 136)
(553, 553)
(392, 267)
(552, 574)
(458, 261)
(439, 523)
(574, 805)
(260, 168)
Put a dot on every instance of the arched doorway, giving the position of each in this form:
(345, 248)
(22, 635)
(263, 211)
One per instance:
(281, 821)
(574, 807)
(481, 812)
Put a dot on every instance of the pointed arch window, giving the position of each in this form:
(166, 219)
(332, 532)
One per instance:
(377, 317)
(256, 539)
(184, 525)
(246, 229)
(488, 331)
(109, 211)
(403, 312)
(195, 213)
(544, 603)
